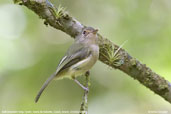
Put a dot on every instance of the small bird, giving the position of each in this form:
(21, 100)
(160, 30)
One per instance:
(80, 57)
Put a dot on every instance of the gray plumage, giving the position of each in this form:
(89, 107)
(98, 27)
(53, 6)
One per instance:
(80, 57)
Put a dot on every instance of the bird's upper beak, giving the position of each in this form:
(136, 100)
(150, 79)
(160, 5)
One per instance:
(95, 31)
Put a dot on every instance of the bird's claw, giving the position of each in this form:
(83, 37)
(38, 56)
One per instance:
(86, 89)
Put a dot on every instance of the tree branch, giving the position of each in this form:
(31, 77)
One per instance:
(84, 104)
(109, 52)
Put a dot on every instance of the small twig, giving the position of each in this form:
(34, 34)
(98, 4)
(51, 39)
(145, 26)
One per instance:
(84, 104)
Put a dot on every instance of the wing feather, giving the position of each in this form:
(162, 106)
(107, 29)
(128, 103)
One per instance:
(73, 56)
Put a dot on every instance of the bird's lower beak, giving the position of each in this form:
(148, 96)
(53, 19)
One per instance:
(95, 31)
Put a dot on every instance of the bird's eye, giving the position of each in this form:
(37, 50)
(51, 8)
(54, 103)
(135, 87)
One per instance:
(84, 32)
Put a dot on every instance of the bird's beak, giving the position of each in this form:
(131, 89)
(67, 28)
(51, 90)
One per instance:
(95, 31)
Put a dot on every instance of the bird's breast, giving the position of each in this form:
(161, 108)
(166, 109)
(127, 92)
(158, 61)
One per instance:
(84, 65)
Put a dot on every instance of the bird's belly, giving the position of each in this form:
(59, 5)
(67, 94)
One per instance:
(70, 73)
(81, 67)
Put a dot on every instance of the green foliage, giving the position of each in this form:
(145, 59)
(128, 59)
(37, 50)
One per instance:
(60, 11)
(57, 12)
(112, 54)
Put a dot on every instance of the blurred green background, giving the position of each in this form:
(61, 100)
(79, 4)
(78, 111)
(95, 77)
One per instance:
(30, 52)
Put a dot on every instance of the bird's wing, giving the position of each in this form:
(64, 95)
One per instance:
(76, 53)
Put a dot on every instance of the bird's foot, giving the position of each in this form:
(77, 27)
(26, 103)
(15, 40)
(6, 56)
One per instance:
(85, 88)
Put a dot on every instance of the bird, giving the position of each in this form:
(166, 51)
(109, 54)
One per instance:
(80, 58)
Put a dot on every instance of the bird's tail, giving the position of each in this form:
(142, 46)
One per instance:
(44, 86)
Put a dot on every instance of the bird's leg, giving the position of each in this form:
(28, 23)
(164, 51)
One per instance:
(75, 80)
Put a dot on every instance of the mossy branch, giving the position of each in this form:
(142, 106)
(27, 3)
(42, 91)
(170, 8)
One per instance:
(121, 60)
